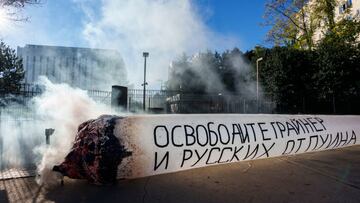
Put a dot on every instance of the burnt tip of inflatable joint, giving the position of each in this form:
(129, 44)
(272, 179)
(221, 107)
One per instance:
(58, 169)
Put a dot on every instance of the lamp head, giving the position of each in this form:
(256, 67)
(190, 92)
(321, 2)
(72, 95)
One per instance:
(259, 59)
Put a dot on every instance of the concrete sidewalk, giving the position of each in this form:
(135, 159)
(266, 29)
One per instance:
(330, 176)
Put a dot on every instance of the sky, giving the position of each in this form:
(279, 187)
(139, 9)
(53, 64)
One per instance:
(240, 18)
(165, 28)
(61, 22)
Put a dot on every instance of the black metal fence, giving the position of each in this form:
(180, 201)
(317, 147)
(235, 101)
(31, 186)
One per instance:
(100, 96)
(165, 101)
(155, 100)
(336, 106)
(18, 104)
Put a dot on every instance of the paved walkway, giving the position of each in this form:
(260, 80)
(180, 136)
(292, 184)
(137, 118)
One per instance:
(330, 176)
(12, 173)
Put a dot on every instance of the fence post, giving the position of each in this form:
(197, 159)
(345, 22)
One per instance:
(244, 106)
(333, 104)
(129, 106)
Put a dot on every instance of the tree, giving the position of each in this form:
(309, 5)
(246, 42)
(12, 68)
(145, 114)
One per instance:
(337, 79)
(18, 3)
(286, 77)
(345, 31)
(11, 70)
(196, 74)
(183, 78)
(323, 80)
(13, 6)
(214, 73)
(325, 10)
(292, 23)
(237, 74)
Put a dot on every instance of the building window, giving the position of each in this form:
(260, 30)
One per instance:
(345, 6)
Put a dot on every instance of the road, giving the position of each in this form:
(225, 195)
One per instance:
(330, 176)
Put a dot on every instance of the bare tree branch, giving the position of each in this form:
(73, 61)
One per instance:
(291, 22)
(18, 3)
(285, 15)
(14, 7)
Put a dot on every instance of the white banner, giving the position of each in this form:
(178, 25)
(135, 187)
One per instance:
(169, 143)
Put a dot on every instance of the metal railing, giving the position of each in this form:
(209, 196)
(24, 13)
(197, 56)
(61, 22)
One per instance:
(100, 96)
(166, 101)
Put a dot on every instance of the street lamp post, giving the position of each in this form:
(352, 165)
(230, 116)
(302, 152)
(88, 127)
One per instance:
(257, 81)
(145, 55)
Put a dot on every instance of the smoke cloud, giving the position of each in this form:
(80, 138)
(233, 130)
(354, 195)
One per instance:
(165, 28)
(228, 73)
(59, 107)
(62, 108)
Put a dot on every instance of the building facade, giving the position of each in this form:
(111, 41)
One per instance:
(345, 9)
(84, 68)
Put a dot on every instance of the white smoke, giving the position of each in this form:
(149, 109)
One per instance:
(18, 136)
(165, 28)
(245, 84)
(59, 107)
(62, 108)
(206, 73)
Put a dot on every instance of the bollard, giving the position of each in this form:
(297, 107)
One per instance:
(119, 97)
(48, 133)
(139, 146)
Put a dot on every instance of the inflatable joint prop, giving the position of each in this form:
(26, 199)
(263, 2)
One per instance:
(112, 147)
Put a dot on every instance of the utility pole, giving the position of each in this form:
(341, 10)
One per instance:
(145, 55)
(257, 82)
